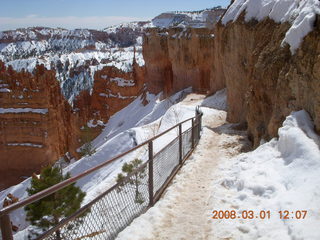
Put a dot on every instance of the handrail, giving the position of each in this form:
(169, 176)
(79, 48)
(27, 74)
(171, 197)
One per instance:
(44, 193)
(88, 205)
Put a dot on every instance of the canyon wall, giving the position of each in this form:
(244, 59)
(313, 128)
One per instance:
(37, 124)
(265, 81)
(177, 58)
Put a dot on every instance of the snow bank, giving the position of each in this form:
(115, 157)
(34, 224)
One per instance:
(217, 101)
(24, 110)
(301, 14)
(280, 175)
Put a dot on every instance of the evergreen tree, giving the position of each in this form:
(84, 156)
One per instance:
(49, 211)
(135, 180)
(87, 136)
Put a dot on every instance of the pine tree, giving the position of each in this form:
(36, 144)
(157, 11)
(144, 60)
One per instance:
(50, 210)
(135, 181)
(87, 136)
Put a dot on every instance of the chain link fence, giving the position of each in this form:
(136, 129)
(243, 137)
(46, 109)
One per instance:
(109, 214)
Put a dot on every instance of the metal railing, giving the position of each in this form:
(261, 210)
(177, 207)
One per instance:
(112, 211)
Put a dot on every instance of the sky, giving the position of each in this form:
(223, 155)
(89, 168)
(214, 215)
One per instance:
(94, 14)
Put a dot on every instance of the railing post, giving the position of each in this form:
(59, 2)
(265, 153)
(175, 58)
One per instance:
(6, 228)
(180, 144)
(150, 147)
(192, 134)
(200, 123)
(198, 127)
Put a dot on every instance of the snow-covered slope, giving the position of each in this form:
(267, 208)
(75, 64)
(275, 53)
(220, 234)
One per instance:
(300, 14)
(119, 135)
(281, 175)
(194, 19)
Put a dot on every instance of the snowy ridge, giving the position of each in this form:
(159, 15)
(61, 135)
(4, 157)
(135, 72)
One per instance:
(194, 19)
(135, 26)
(300, 14)
(87, 62)
(75, 55)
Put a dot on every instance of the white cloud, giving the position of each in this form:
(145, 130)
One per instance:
(71, 22)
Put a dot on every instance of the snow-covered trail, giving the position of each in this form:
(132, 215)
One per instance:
(188, 213)
(184, 212)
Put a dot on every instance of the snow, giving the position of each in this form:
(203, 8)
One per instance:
(185, 19)
(23, 110)
(132, 25)
(282, 174)
(179, 213)
(4, 90)
(217, 101)
(72, 86)
(122, 82)
(26, 145)
(300, 14)
(182, 20)
(75, 54)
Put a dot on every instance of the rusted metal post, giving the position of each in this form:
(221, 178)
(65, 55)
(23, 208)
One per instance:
(180, 144)
(150, 147)
(198, 126)
(192, 133)
(6, 229)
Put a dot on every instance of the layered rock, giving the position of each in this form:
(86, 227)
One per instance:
(113, 90)
(38, 125)
(265, 81)
(177, 58)
(179, 52)
(36, 122)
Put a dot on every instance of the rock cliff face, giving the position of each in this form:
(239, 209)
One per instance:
(36, 123)
(179, 52)
(177, 58)
(265, 81)
(54, 82)
(113, 90)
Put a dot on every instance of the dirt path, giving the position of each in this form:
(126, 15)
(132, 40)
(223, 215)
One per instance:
(188, 214)
(184, 212)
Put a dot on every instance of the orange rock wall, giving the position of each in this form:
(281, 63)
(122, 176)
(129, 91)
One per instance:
(265, 81)
(179, 58)
(29, 140)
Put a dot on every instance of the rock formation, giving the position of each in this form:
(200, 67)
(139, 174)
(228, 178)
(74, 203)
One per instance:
(177, 58)
(265, 81)
(38, 125)
(36, 122)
